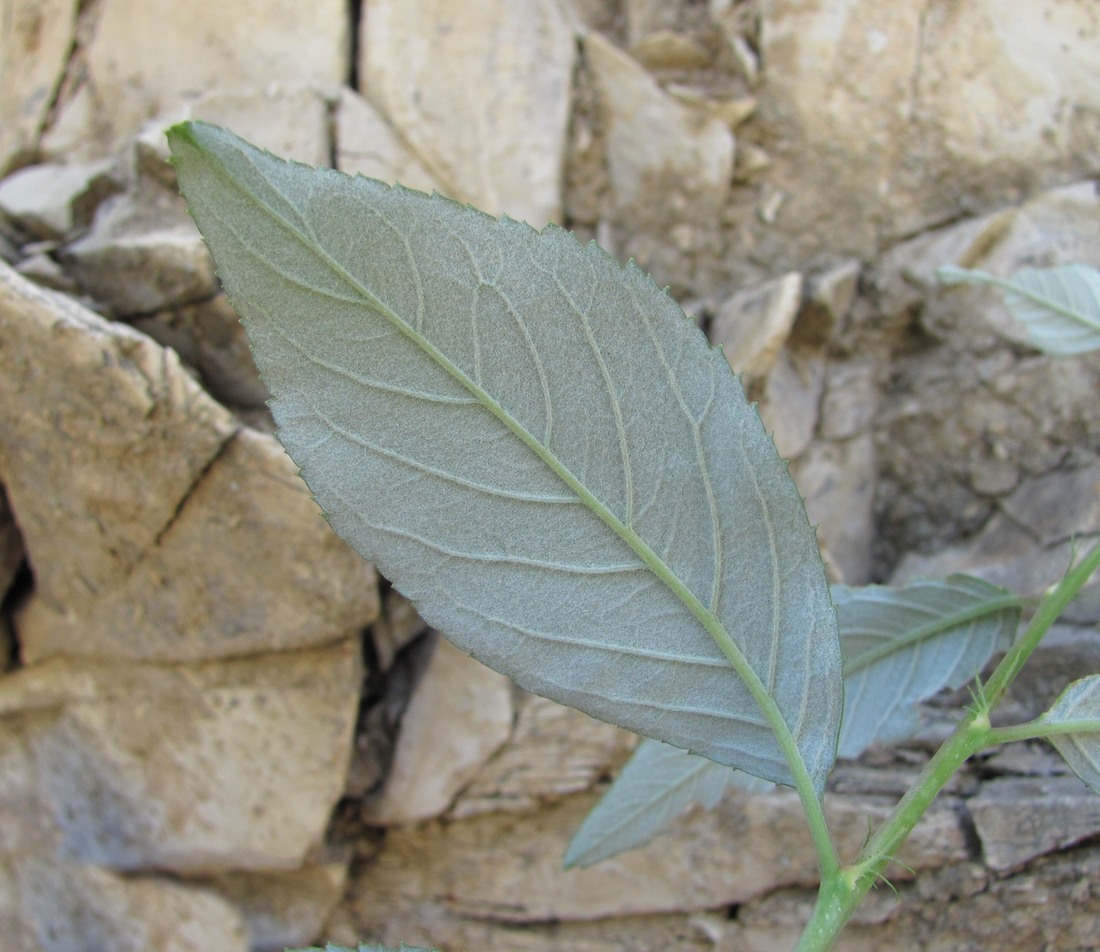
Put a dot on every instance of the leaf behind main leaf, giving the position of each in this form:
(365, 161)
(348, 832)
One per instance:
(656, 785)
(904, 644)
(537, 447)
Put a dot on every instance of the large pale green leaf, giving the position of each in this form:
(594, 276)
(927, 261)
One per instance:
(655, 786)
(1079, 703)
(537, 447)
(1060, 307)
(903, 645)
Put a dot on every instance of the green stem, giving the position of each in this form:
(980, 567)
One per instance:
(1040, 729)
(842, 892)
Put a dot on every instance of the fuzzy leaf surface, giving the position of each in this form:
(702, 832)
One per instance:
(1081, 750)
(904, 644)
(1060, 307)
(538, 448)
(655, 786)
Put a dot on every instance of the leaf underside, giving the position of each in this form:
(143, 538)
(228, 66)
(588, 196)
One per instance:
(536, 446)
(902, 645)
(1060, 307)
(1079, 702)
(656, 785)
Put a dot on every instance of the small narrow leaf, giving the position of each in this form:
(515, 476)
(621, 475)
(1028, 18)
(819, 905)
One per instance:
(538, 448)
(903, 645)
(1060, 307)
(1081, 750)
(656, 785)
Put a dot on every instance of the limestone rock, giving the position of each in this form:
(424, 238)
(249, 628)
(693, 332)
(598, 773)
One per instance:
(143, 58)
(230, 764)
(437, 871)
(670, 165)
(790, 399)
(209, 337)
(365, 144)
(838, 483)
(873, 93)
(753, 325)
(828, 300)
(666, 49)
(34, 45)
(11, 546)
(285, 909)
(51, 201)
(155, 526)
(143, 254)
(459, 716)
(1020, 818)
(395, 628)
(553, 751)
(86, 909)
(481, 92)
(290, 120)
(851, 398)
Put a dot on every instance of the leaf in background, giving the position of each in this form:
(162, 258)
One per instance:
(1059, 306)
(903, 645)
(537, 447)
(1079, 702)
(655, 786)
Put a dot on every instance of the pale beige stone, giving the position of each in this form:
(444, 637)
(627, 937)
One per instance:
(459, 716)
(51, 201)
(480, 92)
(553, 751)
(11, 545)
(903, 110)
(396, 627)
(156, 527)
(753, 325)
(838, 483)
(850, 400)
(1020, 818)
(507, 868)
(53, 391)
(231, 764)
(789, 403)
(666, 49)
(210, 338)
(143, 254)
(289, 120)
(35, 39)
(285, 909)
(87, 909)
(147, 57)
(365, 144)
(670, 163)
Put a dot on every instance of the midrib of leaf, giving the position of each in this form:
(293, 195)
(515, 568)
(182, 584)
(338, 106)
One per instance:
(803, 782)
(924, 632)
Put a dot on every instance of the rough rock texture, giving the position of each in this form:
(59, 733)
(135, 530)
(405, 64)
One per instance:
(138, 58)
(480, 92)
(460, 709)
(144, 532)
(209, 735)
